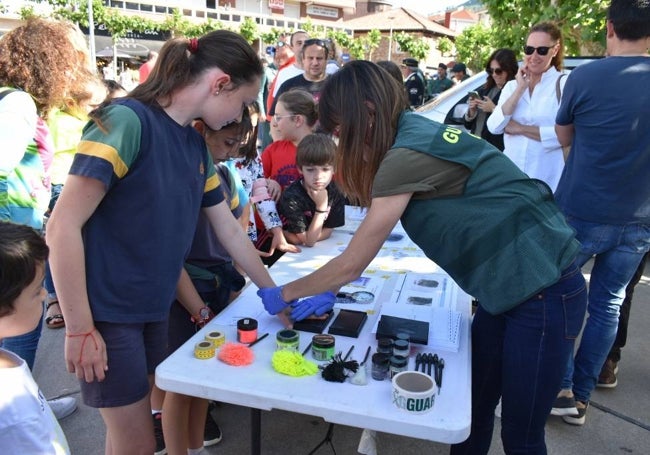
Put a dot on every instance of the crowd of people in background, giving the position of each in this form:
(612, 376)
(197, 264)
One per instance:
(270, 153)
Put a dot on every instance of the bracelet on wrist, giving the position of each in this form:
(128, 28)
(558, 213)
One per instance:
(322, 211)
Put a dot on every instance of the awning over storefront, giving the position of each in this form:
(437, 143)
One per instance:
(134, 44)
(130, 46)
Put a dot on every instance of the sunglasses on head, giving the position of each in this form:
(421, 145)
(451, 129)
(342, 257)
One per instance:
(497, 71)
(316, 41)
(541, 50)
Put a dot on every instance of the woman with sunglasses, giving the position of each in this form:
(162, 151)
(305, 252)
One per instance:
(501, 67)
(527, 107)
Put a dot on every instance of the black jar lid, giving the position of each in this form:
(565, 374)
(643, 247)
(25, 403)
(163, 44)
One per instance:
(380, 359)
(401, 345)
(385, 343)
(399, 360)
(247, 324)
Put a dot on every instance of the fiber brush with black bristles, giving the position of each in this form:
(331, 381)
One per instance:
(335, 370)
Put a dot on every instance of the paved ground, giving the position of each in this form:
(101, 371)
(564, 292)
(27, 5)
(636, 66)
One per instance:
(618, 422)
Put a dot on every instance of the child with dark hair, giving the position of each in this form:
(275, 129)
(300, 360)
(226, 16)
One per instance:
(27, 424)
(312, 206)
(209, 282)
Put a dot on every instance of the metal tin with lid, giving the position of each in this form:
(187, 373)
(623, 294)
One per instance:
(287, 339)
(322, 346)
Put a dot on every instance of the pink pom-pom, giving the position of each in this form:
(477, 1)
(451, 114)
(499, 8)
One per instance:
(236, 354)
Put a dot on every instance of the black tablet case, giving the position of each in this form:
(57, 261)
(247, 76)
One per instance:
(313, 325)
(348, 323)
(390, 326)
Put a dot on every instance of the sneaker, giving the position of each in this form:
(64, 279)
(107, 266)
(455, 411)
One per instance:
(212, 433)
(63, 407)
(564, 406)
(580, 418)
(158, 434)
(607, 377)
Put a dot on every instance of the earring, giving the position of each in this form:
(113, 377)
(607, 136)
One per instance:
(216, 93)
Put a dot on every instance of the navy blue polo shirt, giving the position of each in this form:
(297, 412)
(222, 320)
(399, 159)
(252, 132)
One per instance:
(158, 174)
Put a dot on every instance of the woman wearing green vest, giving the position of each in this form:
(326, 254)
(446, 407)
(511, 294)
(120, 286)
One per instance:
(497, 233)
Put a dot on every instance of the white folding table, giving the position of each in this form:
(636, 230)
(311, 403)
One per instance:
(259, 387)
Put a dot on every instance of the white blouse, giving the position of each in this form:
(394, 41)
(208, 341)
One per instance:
(543, 159)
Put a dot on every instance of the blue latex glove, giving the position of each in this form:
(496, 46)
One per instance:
(318, 305)
(272, 299)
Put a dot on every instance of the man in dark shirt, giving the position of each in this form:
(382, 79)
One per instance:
(440, 83)
(314, 55)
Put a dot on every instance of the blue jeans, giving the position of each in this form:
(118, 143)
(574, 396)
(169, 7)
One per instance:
(618, 250)
(48, 282)
(25, 345)
(520, 356)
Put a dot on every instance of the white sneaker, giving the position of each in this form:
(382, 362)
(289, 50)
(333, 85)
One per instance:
(63, 407)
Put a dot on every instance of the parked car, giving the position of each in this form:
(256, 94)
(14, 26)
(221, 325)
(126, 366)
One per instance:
(450, 106)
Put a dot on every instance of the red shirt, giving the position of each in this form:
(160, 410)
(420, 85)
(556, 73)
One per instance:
(145, 69)
(279, 163)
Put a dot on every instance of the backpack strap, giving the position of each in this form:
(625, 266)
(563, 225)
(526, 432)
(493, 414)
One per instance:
(558, 90)
(6, 91)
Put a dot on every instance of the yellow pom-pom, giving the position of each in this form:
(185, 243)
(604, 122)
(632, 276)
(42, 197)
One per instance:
(292, 363)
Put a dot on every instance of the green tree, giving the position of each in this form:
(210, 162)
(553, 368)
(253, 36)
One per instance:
(445, 46)
(248, 29)
(582, 22)
(359, 48)
(116, 23)
(474, 45)
(417, 48)
(271, 37)
(176, 23)
(371, 42)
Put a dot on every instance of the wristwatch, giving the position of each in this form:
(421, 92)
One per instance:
(203, 317)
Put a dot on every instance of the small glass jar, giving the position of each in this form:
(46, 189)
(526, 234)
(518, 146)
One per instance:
(380, 366)
(322, 347)
(401, 348)
(398, 363)
(246, 330)
(385, 346)
(287, 339)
